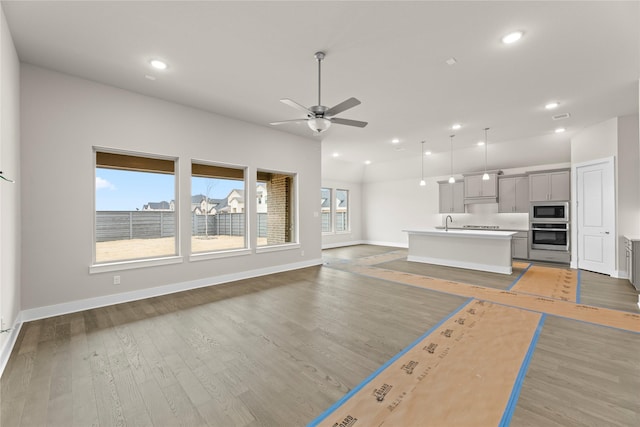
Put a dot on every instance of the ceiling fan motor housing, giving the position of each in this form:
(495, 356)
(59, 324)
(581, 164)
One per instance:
(318, 110)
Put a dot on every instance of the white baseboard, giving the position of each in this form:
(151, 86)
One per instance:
(7, 347)
(620, 274)
(392, 244)
(103, 301)
(89, 303)
(342, 244)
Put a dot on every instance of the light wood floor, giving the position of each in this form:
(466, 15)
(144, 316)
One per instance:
(278, 350)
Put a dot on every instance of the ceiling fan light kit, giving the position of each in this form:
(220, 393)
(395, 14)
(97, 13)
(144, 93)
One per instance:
(319, 118)
(319, 124)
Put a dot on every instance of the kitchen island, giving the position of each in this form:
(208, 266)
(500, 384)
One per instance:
(484, 250)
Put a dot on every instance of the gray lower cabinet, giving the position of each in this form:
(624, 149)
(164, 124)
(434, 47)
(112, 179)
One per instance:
(451, 197)
(520, 245)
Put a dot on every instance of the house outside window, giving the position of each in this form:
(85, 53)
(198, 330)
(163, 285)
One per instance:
(325, 209)
(218, 215)
(135, 208)
(276, 216)
(342, 210)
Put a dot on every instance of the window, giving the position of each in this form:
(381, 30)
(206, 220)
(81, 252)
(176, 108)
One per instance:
(325, 208)
(275, 216)
(342, 210)
(135, 210)
(218, 214)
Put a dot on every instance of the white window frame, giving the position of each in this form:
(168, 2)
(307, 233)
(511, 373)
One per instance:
(295, 243)
(142, 262)
(331, 219)
(348, 213)
(224, 253)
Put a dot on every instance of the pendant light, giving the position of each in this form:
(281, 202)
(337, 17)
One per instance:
(452, 180)
(422, 181)
(485, 177)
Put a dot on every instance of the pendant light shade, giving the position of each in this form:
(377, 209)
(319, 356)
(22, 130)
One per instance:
(422, 181)
(485, 177)
(452, 180)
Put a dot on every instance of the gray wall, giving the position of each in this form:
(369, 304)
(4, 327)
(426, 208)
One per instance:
(9, 193)
(616, 137)
(63, 117)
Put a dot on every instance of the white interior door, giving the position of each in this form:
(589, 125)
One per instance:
(595, 196)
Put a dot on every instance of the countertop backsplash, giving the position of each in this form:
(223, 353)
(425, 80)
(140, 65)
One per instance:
(487, 214)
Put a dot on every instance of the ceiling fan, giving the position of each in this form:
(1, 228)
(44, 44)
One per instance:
(319, 117)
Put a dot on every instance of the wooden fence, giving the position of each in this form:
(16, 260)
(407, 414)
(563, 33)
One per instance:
(123, 225)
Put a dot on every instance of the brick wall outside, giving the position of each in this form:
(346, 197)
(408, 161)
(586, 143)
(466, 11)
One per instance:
(279, 209)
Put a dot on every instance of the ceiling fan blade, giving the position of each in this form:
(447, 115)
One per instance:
(297, 106)
(356, 123)
(344, 105)
(289, 121)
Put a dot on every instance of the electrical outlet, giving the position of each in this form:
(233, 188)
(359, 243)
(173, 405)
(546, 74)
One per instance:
(301, 253)
(116, 280)
(2, 325)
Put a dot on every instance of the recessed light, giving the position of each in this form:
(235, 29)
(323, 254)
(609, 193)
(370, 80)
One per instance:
(158, 65)
(335, 154)
(456, 126)
(427, 153)
(395, 141)
(481, 143)
(149, 77)
(551, 105)
(451, 61)
(560, 130)
(512, 37)
(367, 162)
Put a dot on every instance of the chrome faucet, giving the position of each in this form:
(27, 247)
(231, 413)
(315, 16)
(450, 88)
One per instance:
(446, 222)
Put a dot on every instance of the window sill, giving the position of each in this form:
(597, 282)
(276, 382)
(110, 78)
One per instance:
(203, 256)
(138, 263)
(275, 248)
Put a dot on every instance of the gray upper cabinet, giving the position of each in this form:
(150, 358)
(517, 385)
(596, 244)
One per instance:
(475, 186)
(513, 194)
(451, 197)
(549, 186)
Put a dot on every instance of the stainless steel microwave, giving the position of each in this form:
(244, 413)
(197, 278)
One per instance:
(549, 212)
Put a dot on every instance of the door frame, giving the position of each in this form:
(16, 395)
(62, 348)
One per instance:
(574, 211)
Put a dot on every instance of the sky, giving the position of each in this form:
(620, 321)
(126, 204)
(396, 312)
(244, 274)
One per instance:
(118, 190)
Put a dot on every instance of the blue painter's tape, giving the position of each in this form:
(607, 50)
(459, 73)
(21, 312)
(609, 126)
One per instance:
(377, 372)
(578, 287)
(517, 386)
(519, 277)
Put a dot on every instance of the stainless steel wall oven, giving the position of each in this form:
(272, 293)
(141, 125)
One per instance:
(550, 236)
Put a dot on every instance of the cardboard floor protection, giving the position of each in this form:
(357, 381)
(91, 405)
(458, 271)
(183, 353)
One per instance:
(558, 283)
(428, 386)
(586, 313)
(519, 264)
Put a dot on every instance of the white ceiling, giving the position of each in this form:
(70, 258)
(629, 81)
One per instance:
(239, 58)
